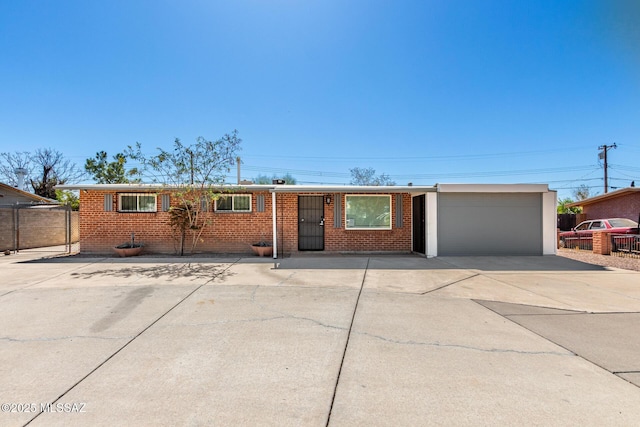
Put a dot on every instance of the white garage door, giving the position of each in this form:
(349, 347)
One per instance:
(489, 224)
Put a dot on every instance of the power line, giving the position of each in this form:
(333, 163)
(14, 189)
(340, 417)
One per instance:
(412, 158)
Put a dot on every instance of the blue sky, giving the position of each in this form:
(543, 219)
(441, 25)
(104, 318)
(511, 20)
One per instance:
(488, 91)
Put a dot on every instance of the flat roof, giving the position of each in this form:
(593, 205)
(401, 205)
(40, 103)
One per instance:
(274, 188)
(604, 197)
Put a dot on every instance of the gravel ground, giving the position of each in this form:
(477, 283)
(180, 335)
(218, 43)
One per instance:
(604, 260)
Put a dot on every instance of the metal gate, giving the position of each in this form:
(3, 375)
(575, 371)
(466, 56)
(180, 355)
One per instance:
(42, 228)
(310, 223)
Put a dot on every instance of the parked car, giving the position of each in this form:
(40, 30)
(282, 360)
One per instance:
(586, 228)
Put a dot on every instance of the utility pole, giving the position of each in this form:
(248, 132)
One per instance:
(603, 155)
(238, 163)
(191, 155)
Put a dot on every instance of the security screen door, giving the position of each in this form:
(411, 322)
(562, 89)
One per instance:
(419, 240)
(310, 223)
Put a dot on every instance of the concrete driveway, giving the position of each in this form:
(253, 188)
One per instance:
(315, 341)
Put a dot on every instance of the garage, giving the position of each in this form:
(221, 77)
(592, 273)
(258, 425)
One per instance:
(485, 223)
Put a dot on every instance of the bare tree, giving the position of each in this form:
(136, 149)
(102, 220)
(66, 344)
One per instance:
(10, 163)
(582, 192)
(367, 176)
(51, 169)
(45, 169)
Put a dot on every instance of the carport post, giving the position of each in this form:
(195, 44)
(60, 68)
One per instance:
(275, 228)
(17, 248)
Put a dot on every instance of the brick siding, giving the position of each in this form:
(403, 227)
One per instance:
(624, 206)
(230, 232)
(601, 243)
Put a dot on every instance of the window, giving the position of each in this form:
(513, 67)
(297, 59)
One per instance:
(622, 222)
(583, 226)
(137, 202)
(234, 203)
(595, 225)
(368, 212)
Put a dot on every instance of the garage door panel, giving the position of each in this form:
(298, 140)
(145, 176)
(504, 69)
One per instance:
(489, 224)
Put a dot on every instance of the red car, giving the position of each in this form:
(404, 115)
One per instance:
(613, 225)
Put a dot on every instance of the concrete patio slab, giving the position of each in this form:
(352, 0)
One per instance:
(253, 341)
(284, 274)
(632, 377)
(486, 287)
(608, 340)
(229, 355)
(438, 361)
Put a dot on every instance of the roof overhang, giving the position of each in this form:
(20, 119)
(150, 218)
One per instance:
(604, 197)
(323, 189)
(34, 197)
(492, 188)
(351, 189)
(256, 187)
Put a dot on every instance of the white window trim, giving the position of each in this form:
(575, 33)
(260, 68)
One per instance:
(137, 195)
(233, 204)
(346, 222)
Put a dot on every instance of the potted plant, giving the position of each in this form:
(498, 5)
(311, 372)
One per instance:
(262, 248)
(130, 248)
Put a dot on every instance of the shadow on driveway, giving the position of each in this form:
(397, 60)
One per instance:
(338, 262)
(167, 272)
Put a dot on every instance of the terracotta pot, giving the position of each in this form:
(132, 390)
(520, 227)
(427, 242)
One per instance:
(262, 250)
(123, 252)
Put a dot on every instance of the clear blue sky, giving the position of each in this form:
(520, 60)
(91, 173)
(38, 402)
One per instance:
(425, 91)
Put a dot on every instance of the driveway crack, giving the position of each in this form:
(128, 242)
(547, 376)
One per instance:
(465, 347)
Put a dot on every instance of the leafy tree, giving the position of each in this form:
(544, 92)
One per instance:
(105, 172)
(563, 209)
(367, 176)
(194, 174)
(264, 179)
(68, 198)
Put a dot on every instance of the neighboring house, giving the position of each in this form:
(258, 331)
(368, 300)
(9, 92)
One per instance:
(12, 196)
(31, 221)
(445, 219)
(623, 203)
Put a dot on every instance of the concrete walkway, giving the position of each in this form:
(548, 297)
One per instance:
(315, 341)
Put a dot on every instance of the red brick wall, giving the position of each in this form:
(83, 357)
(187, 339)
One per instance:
(394, 240)
(625, 206)
(601, 242)
(226, 232)
(100, 231)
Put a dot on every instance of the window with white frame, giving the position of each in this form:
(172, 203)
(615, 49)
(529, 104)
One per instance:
(137, 202)
(234, 203)
(368, 212)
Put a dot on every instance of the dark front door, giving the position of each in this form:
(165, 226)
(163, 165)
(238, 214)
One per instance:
(310, 223)
(419, 224)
